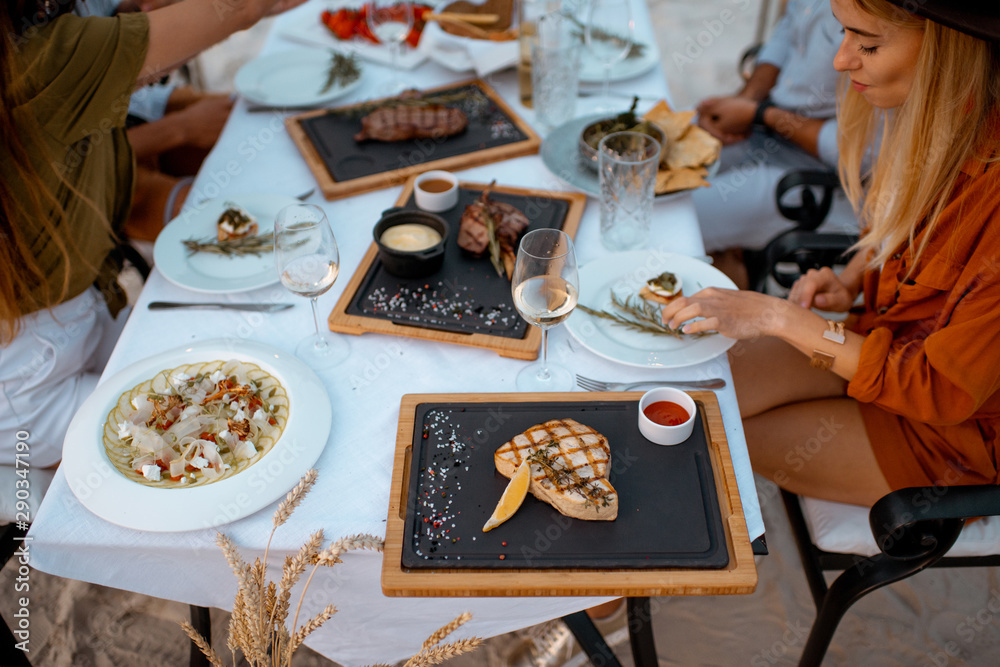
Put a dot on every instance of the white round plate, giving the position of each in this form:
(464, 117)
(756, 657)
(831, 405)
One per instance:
(625, 273)
(561, 155)
(106, 492)
(592, 71)
(290, 79)
(209, 272)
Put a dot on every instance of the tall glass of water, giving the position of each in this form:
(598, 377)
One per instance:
(391, 21)
(609, 35)
(308, 261)
(545, 287)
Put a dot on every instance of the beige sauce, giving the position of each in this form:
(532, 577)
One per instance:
(410, 237)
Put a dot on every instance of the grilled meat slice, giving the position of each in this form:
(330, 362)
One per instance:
(399, 123)
(509, 222)
(569, 467)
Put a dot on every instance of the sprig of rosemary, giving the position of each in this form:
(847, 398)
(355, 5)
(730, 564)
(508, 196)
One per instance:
(640, 315)
(342, 70)
(566, 479)
(249, 245)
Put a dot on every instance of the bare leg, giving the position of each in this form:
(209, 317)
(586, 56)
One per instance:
(769, 372)
(817, 448)
(802, 432)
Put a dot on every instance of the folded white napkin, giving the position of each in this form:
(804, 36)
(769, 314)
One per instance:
(464, 53)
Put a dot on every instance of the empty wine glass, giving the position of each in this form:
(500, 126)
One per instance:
(545, 286)
(307, 259)
(609, 34)
(391, 21)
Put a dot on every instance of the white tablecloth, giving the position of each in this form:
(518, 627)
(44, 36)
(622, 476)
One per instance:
(351, 495)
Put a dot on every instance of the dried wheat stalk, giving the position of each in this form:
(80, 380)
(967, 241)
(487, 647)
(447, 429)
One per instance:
(202, 644)
(257, 625)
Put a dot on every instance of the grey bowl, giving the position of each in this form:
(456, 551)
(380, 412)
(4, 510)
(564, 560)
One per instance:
(589, 153)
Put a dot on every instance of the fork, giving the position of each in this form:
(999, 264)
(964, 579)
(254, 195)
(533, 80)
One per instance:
(598, 385)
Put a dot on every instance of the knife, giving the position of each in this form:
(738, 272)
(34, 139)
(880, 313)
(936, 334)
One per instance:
(258, 307)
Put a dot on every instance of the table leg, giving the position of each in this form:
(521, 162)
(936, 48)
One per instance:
(590, 640)
(640, 632)
(202, 622)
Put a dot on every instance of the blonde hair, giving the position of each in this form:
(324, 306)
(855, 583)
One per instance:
(947, 118)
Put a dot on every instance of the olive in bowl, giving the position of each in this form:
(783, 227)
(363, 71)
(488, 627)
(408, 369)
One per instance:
(592, 134)
(410, 243)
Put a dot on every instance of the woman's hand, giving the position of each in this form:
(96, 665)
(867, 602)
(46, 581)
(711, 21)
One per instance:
(823, 289)
(733, 313)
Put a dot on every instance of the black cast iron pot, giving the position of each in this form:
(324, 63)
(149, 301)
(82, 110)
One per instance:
(410, 264)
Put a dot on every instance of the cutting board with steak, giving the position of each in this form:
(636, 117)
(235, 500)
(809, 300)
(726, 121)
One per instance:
(377, 144)
(465, 302)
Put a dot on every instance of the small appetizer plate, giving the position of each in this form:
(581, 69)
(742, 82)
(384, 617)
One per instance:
(295, 78)
(211, 272)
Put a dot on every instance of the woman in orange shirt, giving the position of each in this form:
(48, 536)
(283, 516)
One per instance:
(909, 393)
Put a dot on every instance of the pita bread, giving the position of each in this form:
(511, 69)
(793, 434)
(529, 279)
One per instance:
(674, 124)
(696, 149)
(674, 180)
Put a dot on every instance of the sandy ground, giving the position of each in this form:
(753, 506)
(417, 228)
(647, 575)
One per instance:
(938, 618)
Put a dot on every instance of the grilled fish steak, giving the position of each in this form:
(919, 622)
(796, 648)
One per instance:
(569, 466)
(399, 123)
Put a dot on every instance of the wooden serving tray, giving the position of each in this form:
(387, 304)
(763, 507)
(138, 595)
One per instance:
(325, 138)
(476, 274)
(595, 577)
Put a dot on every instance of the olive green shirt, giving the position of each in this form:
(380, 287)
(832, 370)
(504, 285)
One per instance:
(79, 74)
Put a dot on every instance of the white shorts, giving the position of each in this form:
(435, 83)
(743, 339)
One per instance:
(49, 370)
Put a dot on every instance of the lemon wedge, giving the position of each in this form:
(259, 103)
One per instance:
(513, 496)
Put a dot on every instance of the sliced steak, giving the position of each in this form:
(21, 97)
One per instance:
(399, 123)
(509, 223)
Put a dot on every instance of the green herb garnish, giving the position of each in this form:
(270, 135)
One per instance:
(640, 315)
(341, 71)
(249, 245)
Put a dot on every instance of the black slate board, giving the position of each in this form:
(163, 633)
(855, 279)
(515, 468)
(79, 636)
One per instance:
(332, 135)
(466, 295)
(668, 513)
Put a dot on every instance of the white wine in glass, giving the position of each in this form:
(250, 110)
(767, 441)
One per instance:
(391, 21)
(308, 261)
(609, 34)
(545, 287)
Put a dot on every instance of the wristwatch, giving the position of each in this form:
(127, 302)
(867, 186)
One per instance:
(758, 117)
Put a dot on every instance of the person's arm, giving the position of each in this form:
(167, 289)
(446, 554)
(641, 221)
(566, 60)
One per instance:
(800, 130)
(742, 315)
(760, 83)
(180, 31)
(197, 124)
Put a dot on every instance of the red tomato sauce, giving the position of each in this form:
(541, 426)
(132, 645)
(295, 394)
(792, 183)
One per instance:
(666, 413)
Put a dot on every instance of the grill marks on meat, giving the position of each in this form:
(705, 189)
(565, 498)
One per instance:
(509, 222)
(399, 123)
(569, 467)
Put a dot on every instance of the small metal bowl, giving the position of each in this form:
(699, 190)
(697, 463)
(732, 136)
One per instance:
(407, 263)
(595, 129)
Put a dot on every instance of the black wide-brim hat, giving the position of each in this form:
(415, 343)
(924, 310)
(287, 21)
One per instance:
(979, 18)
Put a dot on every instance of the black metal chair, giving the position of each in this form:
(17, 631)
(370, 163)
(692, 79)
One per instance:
(792, 253)
(913, 529)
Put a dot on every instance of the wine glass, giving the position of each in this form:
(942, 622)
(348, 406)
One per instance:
(609, 34)
(545, 286)
(307, 259)
(391, 21)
